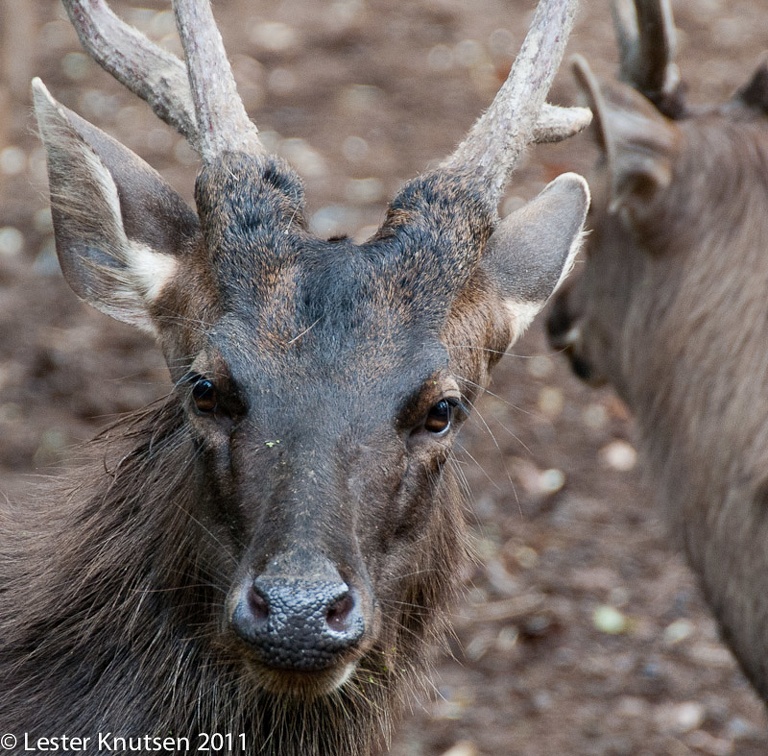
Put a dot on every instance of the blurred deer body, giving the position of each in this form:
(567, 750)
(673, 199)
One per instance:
(270, 551)
(670, 308)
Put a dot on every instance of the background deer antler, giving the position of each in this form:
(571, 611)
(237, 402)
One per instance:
(647, 40)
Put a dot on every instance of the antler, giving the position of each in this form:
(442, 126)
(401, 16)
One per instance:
(518, 114)
(198, 99)
(647, 44)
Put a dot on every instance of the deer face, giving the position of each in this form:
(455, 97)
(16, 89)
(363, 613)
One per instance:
(322, 383)
(667, 188)
(325, 401)
(590, 315)
(327, 471)
(595, 317)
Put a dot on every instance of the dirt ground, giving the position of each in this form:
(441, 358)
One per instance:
(582, 632)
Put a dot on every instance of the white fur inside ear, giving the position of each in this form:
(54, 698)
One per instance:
(521, 315)
(138, 283)
(570, 260)
(150, 270)
(147, 271)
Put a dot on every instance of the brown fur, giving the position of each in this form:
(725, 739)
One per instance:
(671, 309)
(268, 553)
(118, 601)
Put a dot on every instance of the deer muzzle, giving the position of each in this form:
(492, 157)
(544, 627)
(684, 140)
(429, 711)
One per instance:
(298, 624)
(301, 624)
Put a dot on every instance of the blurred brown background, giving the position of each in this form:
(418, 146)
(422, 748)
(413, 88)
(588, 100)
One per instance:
(582, 631)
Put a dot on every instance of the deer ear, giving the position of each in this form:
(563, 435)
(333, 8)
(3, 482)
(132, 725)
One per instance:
(639, 142)
(532, 249)
(119, 227)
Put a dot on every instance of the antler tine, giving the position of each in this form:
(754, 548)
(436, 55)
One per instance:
(556, 124)
(223, 123)
(518, 114)
(198, 99)
(647, 44)
(150, 72)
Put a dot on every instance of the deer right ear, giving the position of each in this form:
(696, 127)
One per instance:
(532, 249)
(119, 227)
(639, 142)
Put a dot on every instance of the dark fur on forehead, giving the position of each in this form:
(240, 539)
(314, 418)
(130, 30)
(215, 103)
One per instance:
(437, 228)
(252, 216)
(250, 208)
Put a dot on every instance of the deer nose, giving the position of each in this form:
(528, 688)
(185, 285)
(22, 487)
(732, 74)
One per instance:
(563, 328)
(298, 624)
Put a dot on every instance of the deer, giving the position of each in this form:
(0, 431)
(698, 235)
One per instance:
(267, 554)
(669, 308)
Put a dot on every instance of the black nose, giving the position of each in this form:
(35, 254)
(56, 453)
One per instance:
(297, 623)
(559, 323)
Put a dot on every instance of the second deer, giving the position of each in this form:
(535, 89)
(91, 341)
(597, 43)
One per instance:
(671, 309)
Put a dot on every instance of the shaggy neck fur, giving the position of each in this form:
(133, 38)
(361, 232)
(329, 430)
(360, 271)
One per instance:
(111, 606)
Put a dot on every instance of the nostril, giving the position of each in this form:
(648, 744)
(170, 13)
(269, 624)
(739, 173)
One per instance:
(581, 368)
(338, 613)
(560, 321)
(258, 605)
(564, 333)
(298, 623)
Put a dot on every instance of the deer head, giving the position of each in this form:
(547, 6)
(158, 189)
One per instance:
(321, 384)
(671, 179)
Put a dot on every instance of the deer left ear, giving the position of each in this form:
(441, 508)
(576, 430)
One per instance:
(532, 249)
(119, 227)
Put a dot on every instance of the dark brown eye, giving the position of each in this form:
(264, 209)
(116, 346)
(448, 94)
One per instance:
(439, 417)
(204, 395)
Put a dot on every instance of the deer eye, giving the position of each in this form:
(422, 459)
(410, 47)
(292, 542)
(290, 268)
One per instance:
(439, 417)
(204, 395)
